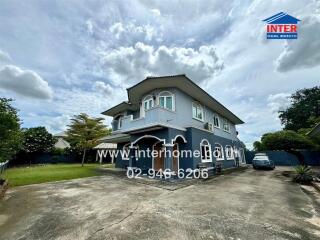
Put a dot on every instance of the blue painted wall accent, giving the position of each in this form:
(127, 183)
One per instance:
(120, 163)
(193, 136)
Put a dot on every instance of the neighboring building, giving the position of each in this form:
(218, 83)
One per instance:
(173, 112)
(61, 143)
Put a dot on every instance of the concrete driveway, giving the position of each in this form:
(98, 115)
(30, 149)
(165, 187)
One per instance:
(242, 205)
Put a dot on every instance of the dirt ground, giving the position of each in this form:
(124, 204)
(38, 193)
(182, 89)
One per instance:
(241, 205)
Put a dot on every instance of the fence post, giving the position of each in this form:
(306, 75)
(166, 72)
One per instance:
(3, 167)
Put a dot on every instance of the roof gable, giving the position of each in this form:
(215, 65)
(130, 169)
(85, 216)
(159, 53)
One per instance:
(181, 82)
(281, 18)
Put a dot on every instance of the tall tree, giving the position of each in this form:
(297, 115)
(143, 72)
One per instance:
(37, 140)
(84, 132)
(304, 111)
(10, 134)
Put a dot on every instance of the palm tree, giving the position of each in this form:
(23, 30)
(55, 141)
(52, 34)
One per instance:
(84, 132)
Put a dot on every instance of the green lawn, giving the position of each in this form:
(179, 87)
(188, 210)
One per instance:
(19, 176)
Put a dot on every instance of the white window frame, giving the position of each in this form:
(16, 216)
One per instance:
(215, 116)
(165, 95)
(242, 156)
(127, 145)
(208, 153)
(226, 123)
(198, 106)
(229, 157)
(218, 145)
(150, 102)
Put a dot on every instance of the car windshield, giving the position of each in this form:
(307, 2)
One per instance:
(259, 158)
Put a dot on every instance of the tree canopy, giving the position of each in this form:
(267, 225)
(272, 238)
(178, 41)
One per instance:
(37, 140)
(10, 134)
(84, 132)
(304, 111)
(283, 140)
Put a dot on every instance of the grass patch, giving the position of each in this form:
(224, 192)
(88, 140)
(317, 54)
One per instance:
(108, 165)
(20, 176)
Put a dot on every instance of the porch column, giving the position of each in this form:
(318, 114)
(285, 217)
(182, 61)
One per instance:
(132, 157)
(168, 162)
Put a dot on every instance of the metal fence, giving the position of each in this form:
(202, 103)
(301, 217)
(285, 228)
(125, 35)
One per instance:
(283, 158)
(3, 167)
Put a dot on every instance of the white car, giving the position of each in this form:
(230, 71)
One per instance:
(261, 160)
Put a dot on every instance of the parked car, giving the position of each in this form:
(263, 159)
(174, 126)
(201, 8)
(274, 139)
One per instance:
(261, 160)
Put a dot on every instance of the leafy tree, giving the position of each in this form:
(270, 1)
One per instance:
(10, 133)
(304, 111)
(84, 132)
(257, 146)
(37, 140)
(286, 140)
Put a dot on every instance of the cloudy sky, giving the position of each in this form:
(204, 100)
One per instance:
(60, 58)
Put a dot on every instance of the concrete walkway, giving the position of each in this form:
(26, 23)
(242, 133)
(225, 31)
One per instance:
(242, 205)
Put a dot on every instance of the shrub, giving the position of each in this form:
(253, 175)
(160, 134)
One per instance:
(303, 175)
(59, 151)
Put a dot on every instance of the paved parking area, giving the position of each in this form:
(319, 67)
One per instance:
(241, 205)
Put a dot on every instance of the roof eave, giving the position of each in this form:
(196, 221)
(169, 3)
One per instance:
(109, 111)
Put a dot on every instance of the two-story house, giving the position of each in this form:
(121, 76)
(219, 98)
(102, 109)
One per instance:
(173, 112)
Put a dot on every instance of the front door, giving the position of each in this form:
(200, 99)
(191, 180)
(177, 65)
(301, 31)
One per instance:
(158, 161)
(175, 158)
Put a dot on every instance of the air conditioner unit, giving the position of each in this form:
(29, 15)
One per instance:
(209, 126)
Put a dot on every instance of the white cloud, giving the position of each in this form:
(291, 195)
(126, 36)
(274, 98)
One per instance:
(4, 56)
(303, 52)
(24, 82)
(58, 124)
(156, 12)
(135, 63)
(278, 102)
(89, 25)
(122, 31)
(117, 29)
(102, 87)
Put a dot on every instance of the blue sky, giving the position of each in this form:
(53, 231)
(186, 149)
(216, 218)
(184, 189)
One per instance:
(60, 58)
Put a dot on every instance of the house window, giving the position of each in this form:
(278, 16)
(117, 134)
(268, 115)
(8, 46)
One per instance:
(148, 103)
(226, 126)
(218, 151)
(197, 111)
(216, 121)
(205, 148)
(229, 152)
(236, 151)
(120, 122)
(166, 100)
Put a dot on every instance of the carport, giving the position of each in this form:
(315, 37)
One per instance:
(104, 149)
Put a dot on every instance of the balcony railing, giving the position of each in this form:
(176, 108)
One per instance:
(154, 116)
